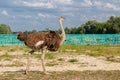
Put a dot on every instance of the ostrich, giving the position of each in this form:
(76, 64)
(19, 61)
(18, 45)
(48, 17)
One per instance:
(41, 41)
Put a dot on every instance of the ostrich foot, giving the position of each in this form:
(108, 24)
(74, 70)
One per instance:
(26, 72)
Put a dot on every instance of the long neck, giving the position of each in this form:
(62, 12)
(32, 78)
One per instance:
(62, 30)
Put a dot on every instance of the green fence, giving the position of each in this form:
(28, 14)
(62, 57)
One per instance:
(9, 39)
(93, 39)
(82, 39)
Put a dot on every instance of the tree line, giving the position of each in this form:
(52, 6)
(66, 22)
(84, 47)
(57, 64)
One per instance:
(111, 26)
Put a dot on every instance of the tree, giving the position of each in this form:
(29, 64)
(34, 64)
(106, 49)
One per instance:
(111, 26)
(5, 29)
(67, 30)
(34, 31)
(115, 24)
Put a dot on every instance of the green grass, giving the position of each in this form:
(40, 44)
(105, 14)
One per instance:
(50, 56)
(24, 48)
(67, 48)
(94, 50)
(6, 56)
(37, 56)
(112, 59)
(47, 56)
(11, 50)
(61, 59)
(72, 60)
(94, 54)
(52, 63)
(98, 50)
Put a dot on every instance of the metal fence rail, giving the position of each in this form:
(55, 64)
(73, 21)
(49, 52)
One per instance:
(82, 39)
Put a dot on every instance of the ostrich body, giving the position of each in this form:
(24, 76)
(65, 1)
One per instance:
(41, 41)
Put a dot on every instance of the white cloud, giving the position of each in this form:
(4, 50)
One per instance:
(43, 3)
(4, 12)
(28, 16)
(112, 6)
(67, 2)
(106, 6)
(87, 3)
(100, 5)
(36, 4)
(43, 15)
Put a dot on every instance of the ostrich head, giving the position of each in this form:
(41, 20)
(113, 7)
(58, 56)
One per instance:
(21, 36)
(61, 18)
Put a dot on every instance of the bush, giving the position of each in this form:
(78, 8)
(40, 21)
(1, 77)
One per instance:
(5, 29)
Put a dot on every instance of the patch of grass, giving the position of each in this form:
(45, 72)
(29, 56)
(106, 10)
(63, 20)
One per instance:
(9, 48)
(94, 54)
(50, 56)
(52, 63)
(70, 48)
(47, 55)
(24, 48)
(6, 56)
(95, 50)
(3, 48)
(61, 59)
(12, 50)
(101, 50)
(72, 60)
(112, 59)
(37, 56)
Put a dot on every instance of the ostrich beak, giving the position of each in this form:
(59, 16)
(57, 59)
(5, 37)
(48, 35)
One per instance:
(62, 17)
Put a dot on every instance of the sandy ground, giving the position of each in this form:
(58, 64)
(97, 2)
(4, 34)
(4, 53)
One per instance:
(84, 62)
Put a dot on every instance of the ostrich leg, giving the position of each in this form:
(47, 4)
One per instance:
(28, 62)
(43, 62)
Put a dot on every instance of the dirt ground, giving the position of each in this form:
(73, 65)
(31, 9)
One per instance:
(60, 62)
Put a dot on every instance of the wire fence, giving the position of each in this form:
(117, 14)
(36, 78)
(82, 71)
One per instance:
(93, 39)
(9, 39)
(77, 39)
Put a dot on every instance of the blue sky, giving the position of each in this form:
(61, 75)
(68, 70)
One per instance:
(24, 15)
